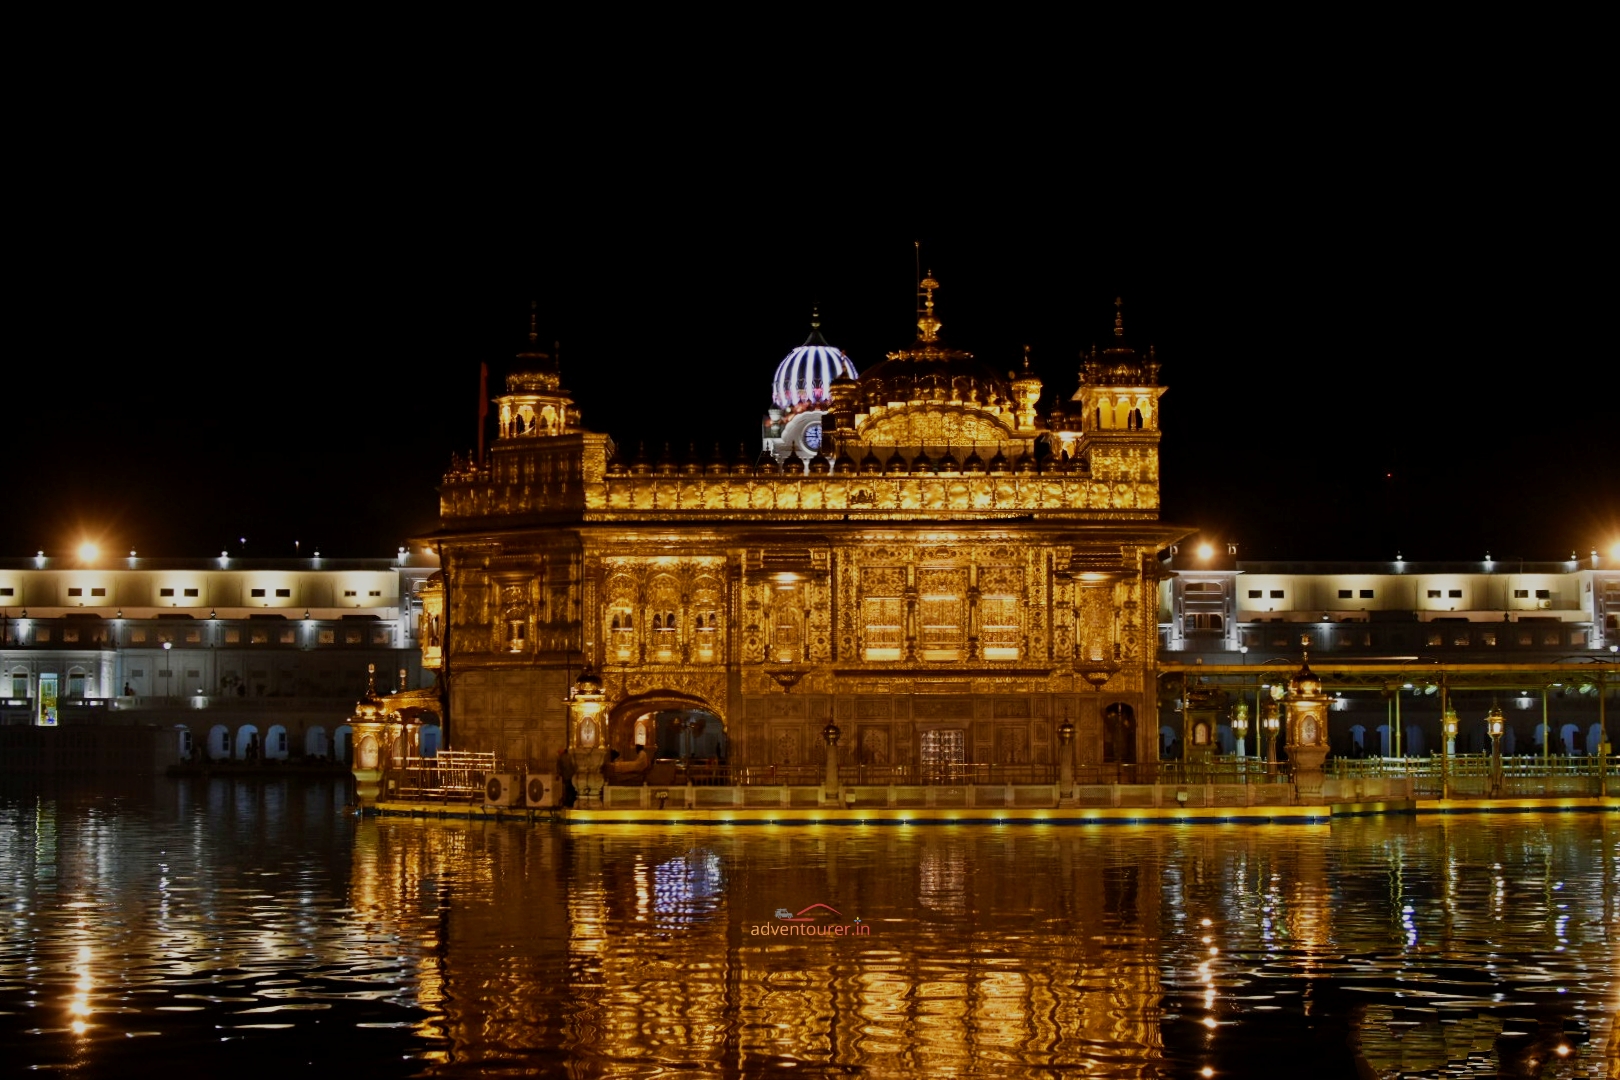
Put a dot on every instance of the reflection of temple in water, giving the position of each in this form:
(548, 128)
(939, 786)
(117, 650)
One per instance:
(926, 552)
(646, 955)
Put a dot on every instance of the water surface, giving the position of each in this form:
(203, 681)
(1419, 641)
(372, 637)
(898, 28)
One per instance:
(257, 927)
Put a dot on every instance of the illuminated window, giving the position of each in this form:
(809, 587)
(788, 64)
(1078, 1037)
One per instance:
(884, 627)
(233, 637)
(999, 631)
(259, 637)
(1487, 637)
(287, 637)
(193, 637)
(325, 637)
(379, 636)
(69, 636)
(1434, 638)
(137, 636)
(351, 637)
(941, 618)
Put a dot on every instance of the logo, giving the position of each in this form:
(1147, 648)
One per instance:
(817, 920)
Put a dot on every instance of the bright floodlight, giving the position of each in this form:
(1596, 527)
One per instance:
(88, 551)
(1205, 551)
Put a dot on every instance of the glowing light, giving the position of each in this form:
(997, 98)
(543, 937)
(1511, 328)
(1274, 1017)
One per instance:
(1206, 1071)
(88, 552)
(1205, 551)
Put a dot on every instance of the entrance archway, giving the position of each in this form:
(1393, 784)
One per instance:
(1119, 734)
(673, 727)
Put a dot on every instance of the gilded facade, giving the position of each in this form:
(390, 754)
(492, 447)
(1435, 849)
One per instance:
(950, 575)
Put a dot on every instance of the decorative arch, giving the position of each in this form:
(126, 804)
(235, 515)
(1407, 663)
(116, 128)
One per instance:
(621, 728)
(219, 743)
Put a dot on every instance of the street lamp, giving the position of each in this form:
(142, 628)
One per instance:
(829, 735)
(1240, 726)
(1449, 726)
(1494, 723)
(1270, 722)
(167, 675)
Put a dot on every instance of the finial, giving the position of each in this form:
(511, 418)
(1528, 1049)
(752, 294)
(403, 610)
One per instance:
(1119, 316)
(534, 335)
(1026, 359)
(928, 325)
(815, 316)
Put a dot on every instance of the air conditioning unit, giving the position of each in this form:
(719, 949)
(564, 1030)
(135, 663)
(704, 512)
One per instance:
(1544, 604)
(503, 789)
(541, 790)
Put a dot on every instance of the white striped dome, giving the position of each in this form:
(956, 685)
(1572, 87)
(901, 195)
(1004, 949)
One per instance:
(803, 376)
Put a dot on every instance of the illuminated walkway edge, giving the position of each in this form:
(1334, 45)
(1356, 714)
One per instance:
(1249, 815)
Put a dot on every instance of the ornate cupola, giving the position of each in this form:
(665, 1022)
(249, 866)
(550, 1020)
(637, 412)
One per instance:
(535, 404)
(802, 392)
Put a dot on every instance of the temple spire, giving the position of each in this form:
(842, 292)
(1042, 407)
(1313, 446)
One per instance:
(1119, 317)
(928, 325)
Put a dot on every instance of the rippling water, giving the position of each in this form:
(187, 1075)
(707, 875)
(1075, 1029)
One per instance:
(234, 927)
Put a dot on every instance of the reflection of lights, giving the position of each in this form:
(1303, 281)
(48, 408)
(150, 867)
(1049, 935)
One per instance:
(1211, 1022)
(1207, 1071)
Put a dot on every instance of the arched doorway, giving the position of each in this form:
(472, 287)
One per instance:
(675, 729)
(1119, 734)
(315, 742)
(430, 740)
(343, 744)
(248, 747)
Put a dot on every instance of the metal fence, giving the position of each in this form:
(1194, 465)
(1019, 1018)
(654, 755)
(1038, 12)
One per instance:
(450, 775)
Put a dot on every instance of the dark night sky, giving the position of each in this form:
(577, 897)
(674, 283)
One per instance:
(1348, 377)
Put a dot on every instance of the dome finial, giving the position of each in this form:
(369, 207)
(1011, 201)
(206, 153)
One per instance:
(534, 335)
(928, 325)
(1026, 359)
(1119, 316)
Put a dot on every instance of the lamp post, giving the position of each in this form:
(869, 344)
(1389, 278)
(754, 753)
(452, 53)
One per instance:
(1494, 723)
(1270, 722)
(1449, 726)
(1240, 727)
(586, 738)
(168, 676)
(829, 735)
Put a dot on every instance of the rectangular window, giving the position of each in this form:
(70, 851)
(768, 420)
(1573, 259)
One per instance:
(1254, 594)
(191, 592)
(255, 592)
(351, 637)
(258, 636)
(1521, 594)
(1543, 594)
(374, 592)
(1553, 638)
(233, 637)
(1487, 637)
(283, 592)
(1433, 638)
(193, 673)
(1366, 594)
(1276, 594)
(193, 637)
(287, 637)
(98, 592)
(69, 636)
(6, 591)
(1434, 594)
(1525, 638)
(137, 636)
(165, 592)
(998, 627)
(1455, 594)
(137, 673)
(326, 637)
(883, 628)
(1344, 594)
(75, 592)
(349, 592)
